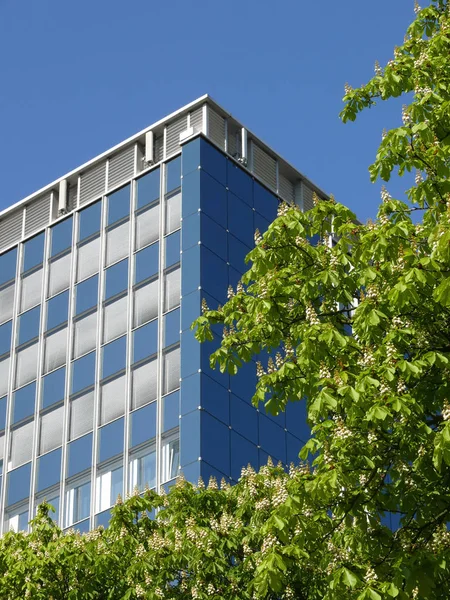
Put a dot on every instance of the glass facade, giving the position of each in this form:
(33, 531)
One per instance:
(103, 388)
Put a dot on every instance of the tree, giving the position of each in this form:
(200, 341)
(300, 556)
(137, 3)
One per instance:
(360, 331)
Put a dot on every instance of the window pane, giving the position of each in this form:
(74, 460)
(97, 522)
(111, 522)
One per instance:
(79, 455)
(78, 502)
(170, 459)
(112, 400)
(116, 279)
(7, 303)
(171, 368)
(110, 440)
(147, 262)
(115, 319)
(118, 205)
(29, 325)
(85, 335)
(114, 357)
(147, 227)
(172, 327)
(147, 188)
(173, 174)
(51, 430)
(143, 472)
(31, 290)
(61, 236)
(59, 276)
(146, 303)
(83, 373)
(18, 484)
(170, 411)
(57, 310)
(54, 502)
(90, 220)
(5, 337)
(145, 380)
(171, 289)
(33, 252)
(21, 445)
(88, 259)
(4, 376)
(55, 350)
(53, 387)
(81, 415)
(117, 244)
(18, 521)
(109, 486)
(2, 417)
(86, 294)
(143, 425)
(172, 251)
(8, 266)
(49, 470)
(26, 365)
(24, 402)
(145, 341)
(173, 213)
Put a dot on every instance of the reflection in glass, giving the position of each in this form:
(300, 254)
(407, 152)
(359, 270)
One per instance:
(24, 400)
(53, 386)
(170, 459)
(116, 279)
(86, 294)
(78, 499)
(147, 188)
(29, 325)
(143, 471)
(90, 220)
(17, 521)
(61, 236)
(118, 204)
(57, 310)
(33, 252)
(8, 266)
(109, 486)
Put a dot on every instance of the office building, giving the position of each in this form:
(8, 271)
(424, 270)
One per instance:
(103, 387)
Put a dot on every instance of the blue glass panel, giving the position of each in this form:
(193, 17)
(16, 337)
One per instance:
(266, 204)
(54, 503)
(29, 325)
(145, 341)
(279, 419)
(213, 162)
(49, 469)
(240, 183)
(173, 174)
(263, 457)
(213, 199)
(114, 356)
(207, 471)
(83, 373)
(170, 411)
(83, 526)
(110, 440)
(260, 223)
(79, 455)
(171, 327)
(33, 252)
(190, 393)
(191, 472)
(119, 204)
(233, 277)
(294, 445)
(240, 220)
(215, 443)
(243, 384)
(272, 439)
(61, 236)
(8, 263)
(244, 419)
(190, 231)
(215, 399)
(296, 419)
(190, 156)
(3, 412)
(24, 401)
(206, 349)
(190, 437)
(57, 310)
(172, 249)
(116, 279)
(190, 270)
(90, 220)
(147, 188)
(5, 337)
(18, 484)
(214, 275)
(190, 354)
(53, 386)
(147, 262)
(190, 309)
(237, 251)
(87, 294)
(213, 236)
(103, 518)
(190, 197)
(243, 452)
(143, 424)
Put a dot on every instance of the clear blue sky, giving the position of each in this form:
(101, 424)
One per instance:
(78, 77)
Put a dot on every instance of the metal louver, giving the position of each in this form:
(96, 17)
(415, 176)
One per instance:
(286, 189)
(173, 131)
(121, 167)
(159, 148)
(196, 119)
(216, 128)
(11, 229)
(264, 167)
(92, 183)
(37, 214)
(72, 196)
(307, 198)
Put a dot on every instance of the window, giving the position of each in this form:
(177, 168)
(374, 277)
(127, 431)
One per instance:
(145, 341)
(2, 418)
(24, 402)
(170, 411)
(118, 205)
(170, 459)
(29, 325)
(86, 294)
(171, 370)
(5, 337)
(79, 455)
(172, 253)
(33, 252)
(4, 376)
(8, 266)
(115, 319)
(17, 520)
(21, 445)
(117, 243)
(90, 220)
(109, 486)
(57, 310)
(145, 379)
(147, 188)
(146, 264)
(114, 357)
(78, 500)
(51, 430)
(59, 274)
(88, 259)
(85, 334)
(81, 415)
(31, 290)
(18, 484)
(83, 372)
(147, 227)
(116, 279)
(145, 303)
(173, 213)
(172, 327)
(143, 425)
(61, 236)
(110, 440)
(171, 289)
(112, 397)
(143, 471)
(53, 500)
(49, 470)
(173, 174)
(26, 365)
(7, 303)
(55, 350)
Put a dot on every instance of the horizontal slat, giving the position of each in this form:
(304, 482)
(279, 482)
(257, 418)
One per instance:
(121, 167)
(286, 189)
(37, 214)
(216, 128)
(307, 197)
(264, 167)
(173, 131)
(196, 119)
(92, 183)
(11, 229)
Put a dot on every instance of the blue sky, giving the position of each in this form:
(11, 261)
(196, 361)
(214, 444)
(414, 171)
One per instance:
(77, 78)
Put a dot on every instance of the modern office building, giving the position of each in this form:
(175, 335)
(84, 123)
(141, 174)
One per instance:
(103, 387)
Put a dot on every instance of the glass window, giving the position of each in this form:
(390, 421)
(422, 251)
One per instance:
(118, 204)
(170, 411)
(5, 337)
(172, 289)
(173, 174)
(21, 445)
(117, 243)
(24, 401)
(53, 500)
(171, 370)
(145, 378)
(8, 266)
(143, 471)
(170, 459)
(3, 413)
(171, 328)
(17, 520)
(53, 387)
(7, 303)
(88, 259)
(145, 341)
(61, 236)
(26, 365)
(115, 319)
(4, 376)
(110, 440)
(18, 484)
(31, 290)
(147, 227)
(81, 415)
(83, 373)
(85, 334)
(109, 486)
(57, 310)
(240, 220)
(173, 213)
(79, 455)
(55, 350)
(114, 357)
(172, 254)
(143, 425)
(48, 470)
(90, 220)
(51, 430)
(145, 303)
(147, 188)
(33, 252)
(29, 325)
(59, 275)
(116, 279)
(147, 262)
(86, 294)
(78, 502)
(112, 403)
